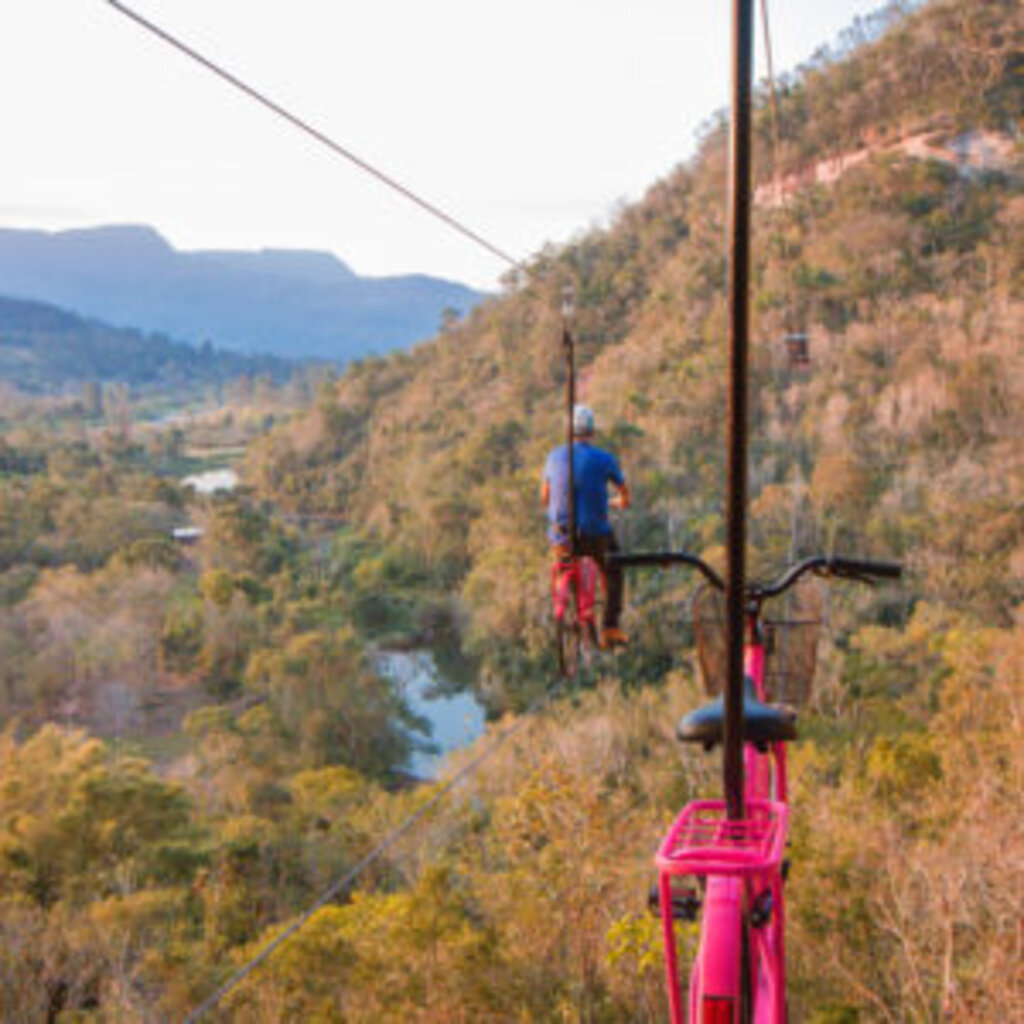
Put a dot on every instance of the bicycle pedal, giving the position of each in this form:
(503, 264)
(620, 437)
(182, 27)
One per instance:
(686, 905)
(761, 910)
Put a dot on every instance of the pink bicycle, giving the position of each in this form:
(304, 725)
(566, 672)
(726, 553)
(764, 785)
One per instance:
(574, 582)
(739, 973)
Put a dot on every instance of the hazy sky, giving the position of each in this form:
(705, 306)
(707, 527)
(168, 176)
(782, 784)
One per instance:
(528, 119)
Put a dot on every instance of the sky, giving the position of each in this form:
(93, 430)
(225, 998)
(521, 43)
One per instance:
(529, 121)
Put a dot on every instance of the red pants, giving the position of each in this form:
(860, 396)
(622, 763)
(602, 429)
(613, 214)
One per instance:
(611, 576)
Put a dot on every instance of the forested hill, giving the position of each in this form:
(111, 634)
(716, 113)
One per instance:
(905, 272)
(47, 349)
(280, 302)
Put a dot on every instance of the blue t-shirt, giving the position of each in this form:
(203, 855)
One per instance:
(593, 470)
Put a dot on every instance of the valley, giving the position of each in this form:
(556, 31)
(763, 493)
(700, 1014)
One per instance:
(202, 734)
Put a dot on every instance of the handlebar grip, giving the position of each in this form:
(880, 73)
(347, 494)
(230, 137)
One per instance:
(859, 567)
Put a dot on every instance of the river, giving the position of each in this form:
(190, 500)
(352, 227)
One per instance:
(456, 719)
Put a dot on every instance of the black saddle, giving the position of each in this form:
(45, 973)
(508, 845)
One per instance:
(762, 723)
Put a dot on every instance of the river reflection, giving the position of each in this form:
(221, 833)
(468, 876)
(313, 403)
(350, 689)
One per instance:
(456, 719)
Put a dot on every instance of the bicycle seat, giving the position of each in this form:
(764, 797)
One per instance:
(762, 723)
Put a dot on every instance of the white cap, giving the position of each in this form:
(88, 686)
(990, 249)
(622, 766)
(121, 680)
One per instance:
(582, 420)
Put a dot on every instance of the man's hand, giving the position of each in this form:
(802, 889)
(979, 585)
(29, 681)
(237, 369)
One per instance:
(621, 498)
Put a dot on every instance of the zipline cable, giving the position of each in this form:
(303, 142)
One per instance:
(773, 92)
(319, 136)
(342, 883)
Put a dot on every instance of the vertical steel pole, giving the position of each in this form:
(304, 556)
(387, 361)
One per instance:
(568, 307)
(736, 495)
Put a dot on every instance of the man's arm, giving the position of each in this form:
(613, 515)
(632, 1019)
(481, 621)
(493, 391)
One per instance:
(617, 479)
(545, 483)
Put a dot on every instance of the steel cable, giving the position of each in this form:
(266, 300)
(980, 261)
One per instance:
(319, 136)
(776, 121)
(350, 876)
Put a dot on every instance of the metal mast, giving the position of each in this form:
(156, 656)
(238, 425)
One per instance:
(568, 307)
(736, 493)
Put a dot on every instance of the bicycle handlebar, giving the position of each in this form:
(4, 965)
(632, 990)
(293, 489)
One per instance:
(863, 567)
(848, 568)
(661, 559)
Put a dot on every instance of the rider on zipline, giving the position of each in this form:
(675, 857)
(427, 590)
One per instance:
(593, 470)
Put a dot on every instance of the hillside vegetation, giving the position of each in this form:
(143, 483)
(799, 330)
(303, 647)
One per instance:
(200, 742)
(906, 274)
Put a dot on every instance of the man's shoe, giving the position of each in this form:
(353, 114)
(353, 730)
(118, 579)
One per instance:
(611, 638)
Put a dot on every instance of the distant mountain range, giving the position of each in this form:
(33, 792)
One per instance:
(46, 349)
(292, 303)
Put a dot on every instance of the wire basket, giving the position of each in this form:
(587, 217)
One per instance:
(792, 627)
(791, 624)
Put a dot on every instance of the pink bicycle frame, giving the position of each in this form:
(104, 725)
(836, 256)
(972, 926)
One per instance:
(741, 862)
(577, 577)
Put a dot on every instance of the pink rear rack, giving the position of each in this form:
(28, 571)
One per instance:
(703, 841)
